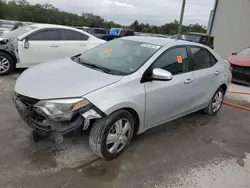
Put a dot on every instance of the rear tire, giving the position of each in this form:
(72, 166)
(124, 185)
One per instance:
(215, 103)
(111, 135)
(6, 64)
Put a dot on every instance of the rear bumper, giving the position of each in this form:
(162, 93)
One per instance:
(42, 125)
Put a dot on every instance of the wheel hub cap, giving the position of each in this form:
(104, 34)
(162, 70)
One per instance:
(118, 136)
(217, 101)
(4, 65)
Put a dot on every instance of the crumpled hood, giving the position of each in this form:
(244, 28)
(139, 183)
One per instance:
(239, 60)
(62, 78)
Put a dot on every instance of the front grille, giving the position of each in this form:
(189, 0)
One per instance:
(29, 102)
(241, 74)
(29, 114)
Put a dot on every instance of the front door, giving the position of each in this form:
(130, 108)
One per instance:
(42, 46)
(166, 100)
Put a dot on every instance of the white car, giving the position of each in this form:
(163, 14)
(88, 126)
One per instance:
(38, 43)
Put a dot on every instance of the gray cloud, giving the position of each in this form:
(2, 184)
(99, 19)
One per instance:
(148, 11)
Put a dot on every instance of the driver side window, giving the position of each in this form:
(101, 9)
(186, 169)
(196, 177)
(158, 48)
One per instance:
(173, 61)
(47, 35)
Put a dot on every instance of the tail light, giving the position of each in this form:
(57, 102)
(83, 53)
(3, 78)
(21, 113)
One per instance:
(230, 65)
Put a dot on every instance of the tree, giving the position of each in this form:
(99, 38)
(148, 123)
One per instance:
(135, 26)
(21, 10)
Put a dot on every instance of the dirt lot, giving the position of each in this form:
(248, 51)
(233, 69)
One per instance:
(195, 151)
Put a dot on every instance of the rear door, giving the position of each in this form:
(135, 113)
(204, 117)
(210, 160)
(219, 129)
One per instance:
(207, 74)
(43, 46)
(166, 100)
(72, 43)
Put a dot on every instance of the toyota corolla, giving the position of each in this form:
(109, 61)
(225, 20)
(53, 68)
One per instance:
(120, 89)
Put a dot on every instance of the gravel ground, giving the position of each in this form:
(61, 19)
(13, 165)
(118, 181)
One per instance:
(194, 151)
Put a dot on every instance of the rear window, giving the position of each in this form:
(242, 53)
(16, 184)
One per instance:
(100, 31)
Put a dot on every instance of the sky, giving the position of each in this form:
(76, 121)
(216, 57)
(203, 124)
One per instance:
(156, 12)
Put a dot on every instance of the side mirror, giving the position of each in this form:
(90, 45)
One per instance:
(26, 43)
(234, 53)
(161, 75)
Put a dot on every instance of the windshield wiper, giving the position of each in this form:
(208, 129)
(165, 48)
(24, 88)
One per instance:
(97, 67)
(94, 66)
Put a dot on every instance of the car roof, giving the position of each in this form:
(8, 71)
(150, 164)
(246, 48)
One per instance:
(51, 26)
(200, 34)
(96, 28)
(42, 26)
(160, 41)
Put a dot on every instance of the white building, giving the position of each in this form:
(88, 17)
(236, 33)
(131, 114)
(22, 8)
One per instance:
(230, 25)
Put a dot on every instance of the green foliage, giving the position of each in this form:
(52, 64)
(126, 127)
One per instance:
(21, 10)
(168, 29)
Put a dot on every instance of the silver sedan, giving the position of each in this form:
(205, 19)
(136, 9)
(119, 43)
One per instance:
(121, 89)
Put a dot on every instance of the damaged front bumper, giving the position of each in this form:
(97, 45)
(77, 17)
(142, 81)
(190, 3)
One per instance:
(241, 75)
(43, 125)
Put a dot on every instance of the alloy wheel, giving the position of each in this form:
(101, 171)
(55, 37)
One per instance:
(217, 101)
(4, 64)
(118, 136)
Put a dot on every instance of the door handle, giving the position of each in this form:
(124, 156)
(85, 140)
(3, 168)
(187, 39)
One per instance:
(83, 44)
(54, 46)
(188, 81)
(217, 73)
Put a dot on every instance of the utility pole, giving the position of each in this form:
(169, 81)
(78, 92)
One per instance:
(181, 19)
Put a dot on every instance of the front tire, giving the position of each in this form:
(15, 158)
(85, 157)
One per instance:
(6, 64)
(111, 135)
(216, 102)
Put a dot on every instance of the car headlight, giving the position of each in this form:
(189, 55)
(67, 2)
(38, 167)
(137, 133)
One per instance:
(61, 109)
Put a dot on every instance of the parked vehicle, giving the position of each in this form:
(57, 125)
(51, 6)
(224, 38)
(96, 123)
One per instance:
(113, 33)
(100, 33)
(6, 27)
(37, 43)
(201, 38)
(240, 63)
(122, 88)
(119, 32)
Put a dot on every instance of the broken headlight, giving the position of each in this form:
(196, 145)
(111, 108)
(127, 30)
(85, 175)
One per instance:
(61, 109)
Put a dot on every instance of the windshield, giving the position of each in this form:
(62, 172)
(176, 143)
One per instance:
(192, 38)
(120, 55)
(245, 52)
(18, 32)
